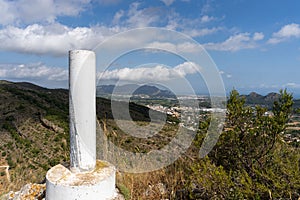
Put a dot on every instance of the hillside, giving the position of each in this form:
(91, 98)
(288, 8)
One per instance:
(34, 133)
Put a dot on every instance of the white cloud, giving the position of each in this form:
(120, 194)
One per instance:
(201, 31)
(118, 16)
(55, 39)
(156, 73)
(109, 2)
(229, 76)
(258, 36)
(195, 27)
(168, 2)
(236, 42)
(286, 32)
(267, 86)
(34, 11)
(207, 7)
(137, 18)
(206, 18)
(292, 85)
(185, 47)
(186, 68)
(33, 71)
(290, 30)
(163, 45)
(225, 74)
(7, 12)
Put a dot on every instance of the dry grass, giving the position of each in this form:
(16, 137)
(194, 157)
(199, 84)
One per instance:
(159, 184)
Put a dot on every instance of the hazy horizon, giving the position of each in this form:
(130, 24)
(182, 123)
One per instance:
(296, 96)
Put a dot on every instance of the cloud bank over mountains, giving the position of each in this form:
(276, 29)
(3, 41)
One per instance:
(33, 71)
(158, 73)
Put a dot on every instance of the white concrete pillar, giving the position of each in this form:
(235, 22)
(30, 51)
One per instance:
(87, 178)
(82, 105)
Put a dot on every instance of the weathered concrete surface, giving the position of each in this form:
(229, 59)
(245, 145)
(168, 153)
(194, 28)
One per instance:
(82, 105)
(63, 184)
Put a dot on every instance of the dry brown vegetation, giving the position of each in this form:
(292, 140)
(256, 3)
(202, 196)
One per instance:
(31, 145)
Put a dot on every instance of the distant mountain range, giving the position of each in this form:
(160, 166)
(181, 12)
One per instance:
(256, 99)
(135, 90)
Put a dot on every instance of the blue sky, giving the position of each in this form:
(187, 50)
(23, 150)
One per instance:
(254, 44)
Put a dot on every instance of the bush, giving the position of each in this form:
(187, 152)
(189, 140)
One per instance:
(10, 162)
(250, 160)
(124, 191)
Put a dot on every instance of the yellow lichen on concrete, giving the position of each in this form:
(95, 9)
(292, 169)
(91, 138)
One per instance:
(102, 170)
(100, 165)
(62, 175)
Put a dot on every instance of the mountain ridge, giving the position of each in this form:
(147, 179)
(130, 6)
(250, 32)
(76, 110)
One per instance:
(150, 91)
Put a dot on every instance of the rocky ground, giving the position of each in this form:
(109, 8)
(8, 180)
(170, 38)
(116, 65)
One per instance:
(36, 192)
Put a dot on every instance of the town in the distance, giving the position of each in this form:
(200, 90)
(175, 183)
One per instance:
(164, 101)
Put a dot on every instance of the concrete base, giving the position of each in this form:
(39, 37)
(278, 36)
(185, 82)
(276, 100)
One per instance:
(62, 184)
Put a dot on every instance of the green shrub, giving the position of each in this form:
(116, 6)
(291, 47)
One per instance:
(124, 191)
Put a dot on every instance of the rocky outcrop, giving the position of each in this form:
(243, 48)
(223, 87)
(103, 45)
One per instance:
(29, 191)
(50, 125)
